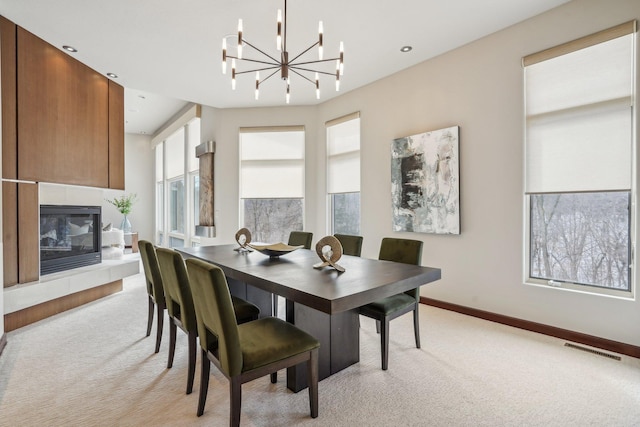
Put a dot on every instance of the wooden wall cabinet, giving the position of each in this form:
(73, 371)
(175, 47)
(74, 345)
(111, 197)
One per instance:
(63, 117)
(63, 123)
(116, 136)
(8, 79)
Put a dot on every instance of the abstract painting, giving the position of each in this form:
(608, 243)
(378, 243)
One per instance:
(425, 187)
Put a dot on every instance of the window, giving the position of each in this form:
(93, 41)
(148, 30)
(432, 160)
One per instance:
(177, 181)
(193, 165)
(159, 194)
(272, 182)
(343, 174)
(176, 206)
(579, 162)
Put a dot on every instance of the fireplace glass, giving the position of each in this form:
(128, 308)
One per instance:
(69, 237)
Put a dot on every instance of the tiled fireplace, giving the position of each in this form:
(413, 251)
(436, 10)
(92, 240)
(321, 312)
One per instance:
(69, 237)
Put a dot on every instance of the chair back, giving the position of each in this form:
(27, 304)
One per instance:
(155, 288)
(176, 287)
(407, 251)
(351, 245)
(297, 238)
(215, 315)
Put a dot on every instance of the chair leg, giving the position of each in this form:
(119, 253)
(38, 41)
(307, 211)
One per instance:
(235, 388)
(384, 343)
(274, 377)
(160, 323)
(172, 342)
(416, 325)
(192, 360)
(312, 366)
(274, 298)
(150, 316)
(205, 366)
(377, 326)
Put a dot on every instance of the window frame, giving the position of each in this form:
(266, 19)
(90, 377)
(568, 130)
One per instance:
(330, 213)
(290, 161)
(597, 290)
(163, 233)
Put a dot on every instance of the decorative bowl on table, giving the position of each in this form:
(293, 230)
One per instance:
(274, 250)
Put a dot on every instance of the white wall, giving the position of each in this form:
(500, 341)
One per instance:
(139, 170)
(479, 88)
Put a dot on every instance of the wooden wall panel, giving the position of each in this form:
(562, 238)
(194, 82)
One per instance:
(29, 232)
(9, 98)
(38, 312)
(116, 136)
(63, 110)
(10, 232)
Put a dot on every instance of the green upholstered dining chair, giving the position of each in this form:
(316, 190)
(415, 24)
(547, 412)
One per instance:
(180, 307)
(351, 245)
(247, 351)
(297, 238)
(155, 288)
(409, 252)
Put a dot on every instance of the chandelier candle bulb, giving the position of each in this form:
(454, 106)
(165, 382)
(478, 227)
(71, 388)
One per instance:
(279, 37)
(317, 86)
(233, 74)
(320, 31)
(239, 38)
(224, 56)
(341, 58)
(288, 97)
(257, 85)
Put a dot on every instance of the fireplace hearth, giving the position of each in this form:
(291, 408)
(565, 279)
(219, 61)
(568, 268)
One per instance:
(69, 237)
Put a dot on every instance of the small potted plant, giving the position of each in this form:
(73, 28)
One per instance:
(124, 204)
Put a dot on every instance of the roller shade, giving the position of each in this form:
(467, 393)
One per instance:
(343, 156)
(272, 163)
(579, 117)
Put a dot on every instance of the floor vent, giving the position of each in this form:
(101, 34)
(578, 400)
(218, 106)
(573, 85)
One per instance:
(590, 350)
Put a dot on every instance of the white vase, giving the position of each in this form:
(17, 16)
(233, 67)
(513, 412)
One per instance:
(125, 225)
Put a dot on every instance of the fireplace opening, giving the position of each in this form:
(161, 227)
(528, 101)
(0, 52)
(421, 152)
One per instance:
(69, 237)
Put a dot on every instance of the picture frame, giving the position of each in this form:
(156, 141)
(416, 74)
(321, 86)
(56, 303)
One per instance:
(425, 183)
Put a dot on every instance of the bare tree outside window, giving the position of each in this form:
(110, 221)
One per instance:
(271, 220)
(581, 238)
(346, 213)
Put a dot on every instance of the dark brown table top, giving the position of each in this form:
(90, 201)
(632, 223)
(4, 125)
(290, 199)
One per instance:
(293, 277)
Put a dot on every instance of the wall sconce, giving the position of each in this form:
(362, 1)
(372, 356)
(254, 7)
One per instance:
(206, 226)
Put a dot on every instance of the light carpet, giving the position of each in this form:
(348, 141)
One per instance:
(93, 366)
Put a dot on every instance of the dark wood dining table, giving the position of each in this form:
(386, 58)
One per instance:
(323, 302)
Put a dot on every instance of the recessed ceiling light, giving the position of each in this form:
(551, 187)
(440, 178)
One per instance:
(69, 48)
(113, 76)
(405, 48)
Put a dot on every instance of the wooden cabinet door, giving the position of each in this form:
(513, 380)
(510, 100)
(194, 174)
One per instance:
(116, 136)
(63, 113)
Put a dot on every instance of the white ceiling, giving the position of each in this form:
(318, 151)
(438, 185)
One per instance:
(167, 53)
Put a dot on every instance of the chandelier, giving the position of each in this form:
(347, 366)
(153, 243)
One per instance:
(285, 65)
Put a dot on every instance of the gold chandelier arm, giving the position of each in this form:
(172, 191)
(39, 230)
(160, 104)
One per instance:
(303, 76)
(260, 69)
(305, 51)
(291, 64)
(268, 77)
(294, 68)
(275, 64)
(265, 54)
